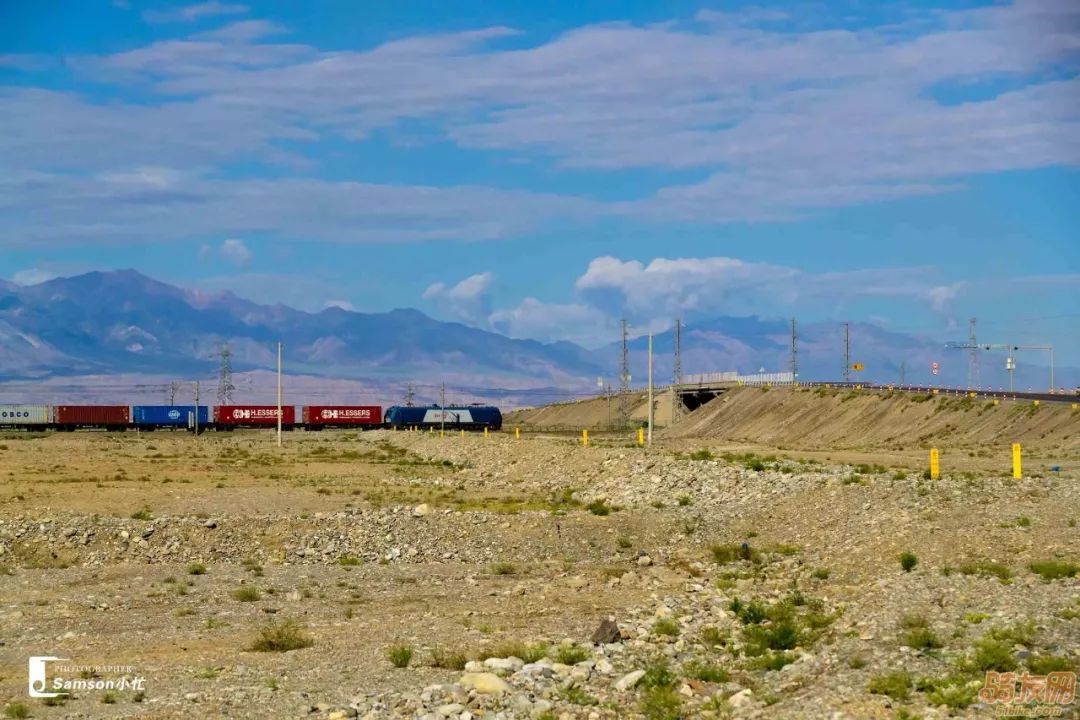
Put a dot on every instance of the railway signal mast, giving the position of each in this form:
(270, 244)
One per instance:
(973, 361)
(1010, 361)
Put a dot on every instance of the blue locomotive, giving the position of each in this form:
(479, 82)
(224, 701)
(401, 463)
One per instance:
(458, 417)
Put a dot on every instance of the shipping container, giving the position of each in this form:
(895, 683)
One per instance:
(230, 416)
(320, 416)
(110, 417)
(25, 415)
(169, 416)
(464, 417)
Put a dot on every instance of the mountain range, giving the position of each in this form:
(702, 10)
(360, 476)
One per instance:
(124, 323)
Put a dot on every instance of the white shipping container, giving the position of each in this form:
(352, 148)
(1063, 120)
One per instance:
(25, 415)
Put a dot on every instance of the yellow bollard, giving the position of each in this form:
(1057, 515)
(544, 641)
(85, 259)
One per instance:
(996, 402)
(517, 433)
(934, 391)
(1035, 403)
(1076, 406)
(462, 433)
(641, 437)
(1017, 469)
(935, 464)
(485, 432)
(584, 438)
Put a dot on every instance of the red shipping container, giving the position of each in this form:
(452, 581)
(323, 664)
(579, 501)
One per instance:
(257, 415)
(342, 415)
(93, 415)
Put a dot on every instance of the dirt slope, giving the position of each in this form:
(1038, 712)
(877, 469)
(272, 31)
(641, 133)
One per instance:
(589, 414)
(820, 418)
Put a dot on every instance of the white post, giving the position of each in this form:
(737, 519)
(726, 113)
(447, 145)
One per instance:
(650, 391)
(279, 394)
(196, 408)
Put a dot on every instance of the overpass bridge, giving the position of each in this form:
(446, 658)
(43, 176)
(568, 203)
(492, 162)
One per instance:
(696, 390)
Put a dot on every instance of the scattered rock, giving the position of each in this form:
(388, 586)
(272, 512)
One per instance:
(628, 681)
(485, 683)
(606, 633)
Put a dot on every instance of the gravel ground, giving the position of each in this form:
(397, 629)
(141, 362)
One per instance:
(739, 586)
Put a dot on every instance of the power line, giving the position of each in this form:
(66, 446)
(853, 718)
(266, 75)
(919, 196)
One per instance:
(225, 383)
(794, 362)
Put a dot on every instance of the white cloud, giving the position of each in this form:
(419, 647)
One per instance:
(940, 295)
(468, 300)
(548, 322)
(341, 304)
(83, 210)
(192, 13)
(667, 287)
(32, 276)
(233, 250)
(776, 122)
(703, 287)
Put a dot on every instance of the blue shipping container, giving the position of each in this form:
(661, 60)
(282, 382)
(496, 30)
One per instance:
(167, 415)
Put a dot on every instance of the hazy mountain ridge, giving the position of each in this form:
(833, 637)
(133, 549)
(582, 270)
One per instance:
(122, 322)
(125, 322)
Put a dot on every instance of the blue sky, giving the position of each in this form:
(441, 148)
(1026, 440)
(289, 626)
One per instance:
(542, 169)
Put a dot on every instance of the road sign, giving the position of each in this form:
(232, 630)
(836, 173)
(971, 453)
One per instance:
(857, 366)
(935, 368)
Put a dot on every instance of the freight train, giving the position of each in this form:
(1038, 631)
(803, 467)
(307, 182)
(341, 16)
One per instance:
(230, 417)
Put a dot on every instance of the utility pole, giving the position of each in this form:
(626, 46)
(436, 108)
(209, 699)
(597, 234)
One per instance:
(973, 362)
(225, 383)
(173, 387)
(794, 362)
(902, 372)
(442, 408)
(409, 396)
(624, 378)
(847, 352)
(196, 408)
(279, 394)
(676, 374)
(650, 391)
(607, 391)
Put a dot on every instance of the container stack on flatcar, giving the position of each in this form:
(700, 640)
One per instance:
(110, 417)
(151, 417)
(317, 417)
(229, 417)
(28, 417)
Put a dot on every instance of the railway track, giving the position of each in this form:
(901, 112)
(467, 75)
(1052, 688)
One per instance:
(932, 390)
